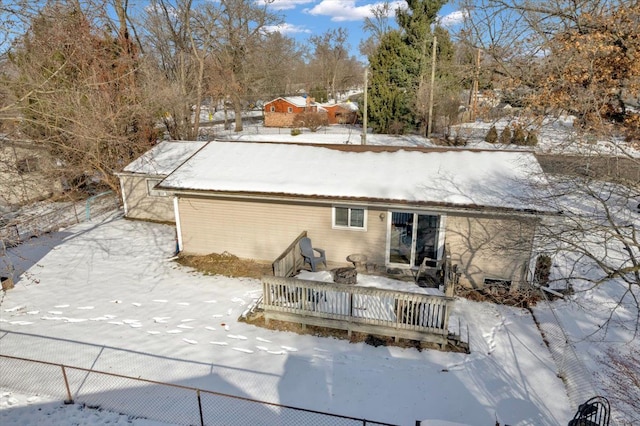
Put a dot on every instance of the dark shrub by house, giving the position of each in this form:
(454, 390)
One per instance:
(532, 138)
(505, 136)
(492, 135)
(518, 137)
(543, 270)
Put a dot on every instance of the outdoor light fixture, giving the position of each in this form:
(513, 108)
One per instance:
(381, 216)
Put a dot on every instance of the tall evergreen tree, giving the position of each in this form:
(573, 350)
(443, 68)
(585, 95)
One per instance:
(391, 85)
(399, 66)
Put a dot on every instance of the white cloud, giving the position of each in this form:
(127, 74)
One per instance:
(287, 29)
(287, 4)
(452, 19)
(346, 10)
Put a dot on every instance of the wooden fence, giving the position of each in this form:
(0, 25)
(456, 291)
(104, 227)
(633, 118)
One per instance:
(391, 313)
(290, 261)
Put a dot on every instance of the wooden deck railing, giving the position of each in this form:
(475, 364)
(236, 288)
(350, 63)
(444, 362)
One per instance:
(290, 261)
(362, 309)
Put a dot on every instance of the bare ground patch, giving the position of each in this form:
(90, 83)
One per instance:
(226, 264)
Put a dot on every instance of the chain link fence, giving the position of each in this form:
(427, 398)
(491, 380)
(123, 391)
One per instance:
(44, 217)
(152, 400)
(571, 369)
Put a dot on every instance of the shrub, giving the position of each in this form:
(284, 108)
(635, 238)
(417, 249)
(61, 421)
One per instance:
(311, 120)
(505, 136)
(543, 270)
(295, 132)
(518, 137)
(532, 139)
(492, 135)
(459, 141)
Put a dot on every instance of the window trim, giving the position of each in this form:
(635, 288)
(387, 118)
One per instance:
(290, 110)
(272, 108)
(493, 281)
(348, 226)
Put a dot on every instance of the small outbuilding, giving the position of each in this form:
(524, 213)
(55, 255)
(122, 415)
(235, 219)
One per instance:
(138, 180)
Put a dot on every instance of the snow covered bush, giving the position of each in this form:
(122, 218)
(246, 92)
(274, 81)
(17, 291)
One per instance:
(532, 138)
(492, 135)
(518, 137)
(505, 136)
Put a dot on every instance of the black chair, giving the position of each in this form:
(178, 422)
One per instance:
(594, 412)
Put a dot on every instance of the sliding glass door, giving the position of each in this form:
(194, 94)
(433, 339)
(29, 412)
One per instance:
(413, 237)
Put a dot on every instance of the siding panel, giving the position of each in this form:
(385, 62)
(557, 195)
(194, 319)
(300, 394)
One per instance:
(142, 206)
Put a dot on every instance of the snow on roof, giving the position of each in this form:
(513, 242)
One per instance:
(164, 158)
(452, 177)
(299, 101)
(348, 105)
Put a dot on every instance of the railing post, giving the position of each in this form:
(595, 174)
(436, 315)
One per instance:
(69, 399)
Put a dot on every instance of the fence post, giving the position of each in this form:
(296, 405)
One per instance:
(69, 399)
(200, 407)
(88, 203)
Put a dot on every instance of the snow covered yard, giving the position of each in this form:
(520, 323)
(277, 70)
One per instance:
(105, 296)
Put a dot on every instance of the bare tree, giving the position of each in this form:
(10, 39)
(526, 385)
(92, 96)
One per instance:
(241, 34)
(376, 26)
(168, 38)
(76, 95)
(596, 240)
(330, 59)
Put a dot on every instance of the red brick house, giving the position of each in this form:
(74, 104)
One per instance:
(342, 113)
(281, 112)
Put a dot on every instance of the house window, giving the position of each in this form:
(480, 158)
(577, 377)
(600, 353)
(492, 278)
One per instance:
(152, 192)
(272, 108)
(497, 282)
(349, 217)
(290, 110)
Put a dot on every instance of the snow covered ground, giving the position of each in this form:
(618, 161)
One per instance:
(555, 135)
(104, 296)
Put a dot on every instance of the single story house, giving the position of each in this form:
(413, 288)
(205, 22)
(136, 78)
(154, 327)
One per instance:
(396, 205)
(281, 112)
(341, 113)
(138, 180)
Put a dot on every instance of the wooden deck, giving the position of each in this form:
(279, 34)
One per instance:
(361, 309)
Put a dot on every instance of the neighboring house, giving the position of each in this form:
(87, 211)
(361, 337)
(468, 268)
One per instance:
(22, 173)
(281, 112)
(395, 205)
(138, 180)
(341, 113)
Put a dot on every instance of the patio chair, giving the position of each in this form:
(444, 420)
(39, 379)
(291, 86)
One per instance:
(310, 257)
(594, 412)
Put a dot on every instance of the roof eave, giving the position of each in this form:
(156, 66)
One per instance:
(374, 201)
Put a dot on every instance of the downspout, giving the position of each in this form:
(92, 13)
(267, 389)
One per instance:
(176, 212)
(124, 198)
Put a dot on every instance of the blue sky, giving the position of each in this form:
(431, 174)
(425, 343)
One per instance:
(304, 18)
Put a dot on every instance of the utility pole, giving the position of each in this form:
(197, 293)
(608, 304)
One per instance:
(363, 136)
(476, 77)
(433, 78)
